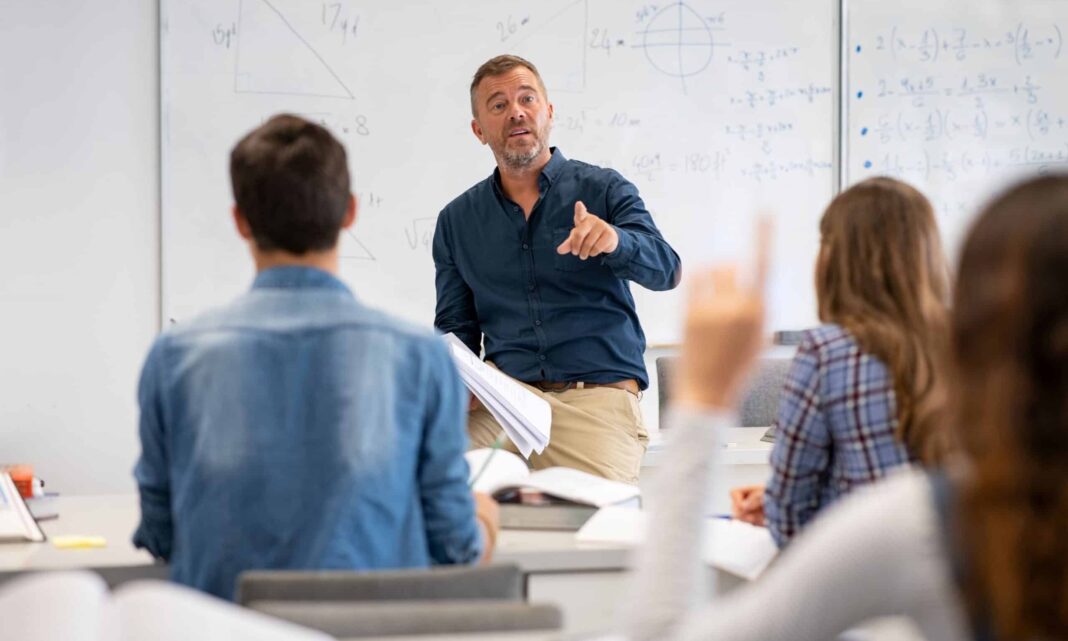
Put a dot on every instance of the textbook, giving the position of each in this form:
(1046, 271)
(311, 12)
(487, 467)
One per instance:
(16, 522)
(76, 606)
(556, 498)
(509, 480)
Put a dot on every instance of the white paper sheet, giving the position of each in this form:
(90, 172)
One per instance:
(525, 417)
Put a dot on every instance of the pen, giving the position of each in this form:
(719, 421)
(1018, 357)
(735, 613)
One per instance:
(493, 450)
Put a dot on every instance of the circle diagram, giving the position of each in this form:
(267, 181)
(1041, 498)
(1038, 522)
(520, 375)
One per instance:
(677, 41)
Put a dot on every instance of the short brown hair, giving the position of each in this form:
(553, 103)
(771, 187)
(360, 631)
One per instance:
(883, 277)
(498, 66)
(291, 182)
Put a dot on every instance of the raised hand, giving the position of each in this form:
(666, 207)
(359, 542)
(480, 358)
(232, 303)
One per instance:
(724, 332)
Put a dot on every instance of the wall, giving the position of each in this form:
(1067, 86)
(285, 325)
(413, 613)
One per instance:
(79, 218)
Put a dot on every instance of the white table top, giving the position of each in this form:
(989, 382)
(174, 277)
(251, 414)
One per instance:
(744, 447)
(112, 516)
(115, 517)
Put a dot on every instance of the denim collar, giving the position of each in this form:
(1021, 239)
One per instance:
(295, 277)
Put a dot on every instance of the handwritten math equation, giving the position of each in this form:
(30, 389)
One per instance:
(961, 103)
(1022, 44)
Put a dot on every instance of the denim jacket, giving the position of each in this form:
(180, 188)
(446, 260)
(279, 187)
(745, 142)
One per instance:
(297, 429)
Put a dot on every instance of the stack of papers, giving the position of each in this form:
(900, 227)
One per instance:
(525, 417)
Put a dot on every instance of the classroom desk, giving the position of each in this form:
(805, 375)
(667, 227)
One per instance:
(113, 516)
(586, 580)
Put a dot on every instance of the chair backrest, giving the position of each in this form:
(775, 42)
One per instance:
(352, 620)
(500, 582)
(760, 401)
(441, 600)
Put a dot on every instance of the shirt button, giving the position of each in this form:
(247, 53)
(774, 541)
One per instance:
(538, 323)
(526, 246)
(541, 357)
(530, 287)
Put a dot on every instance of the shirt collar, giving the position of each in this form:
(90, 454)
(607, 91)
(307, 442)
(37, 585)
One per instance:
(295, 277)
(548, 173)
(555, 165)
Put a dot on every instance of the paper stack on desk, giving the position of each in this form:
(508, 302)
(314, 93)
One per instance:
(525, 417)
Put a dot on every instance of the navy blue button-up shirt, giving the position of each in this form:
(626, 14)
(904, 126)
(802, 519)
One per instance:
(546, 316)
(298, 429)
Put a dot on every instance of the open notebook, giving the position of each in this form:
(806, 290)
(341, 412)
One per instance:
(76, 606)
(506, 473)
(16, 522)
(556, 498)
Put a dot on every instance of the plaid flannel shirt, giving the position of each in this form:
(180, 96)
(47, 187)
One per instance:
(836, 429)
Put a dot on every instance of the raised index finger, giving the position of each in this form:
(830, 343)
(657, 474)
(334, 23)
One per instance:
(580, 211)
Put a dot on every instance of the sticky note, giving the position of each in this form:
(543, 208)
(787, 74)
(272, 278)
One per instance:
(75, 542)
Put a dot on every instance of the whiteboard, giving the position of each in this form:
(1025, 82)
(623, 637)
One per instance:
(715, 110)
(960, 101)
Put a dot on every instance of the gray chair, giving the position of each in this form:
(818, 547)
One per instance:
(760, 401)
(444, 600)
(354, 620)
(501, 582)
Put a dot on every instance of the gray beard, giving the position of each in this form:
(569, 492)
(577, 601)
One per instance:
(522, 159)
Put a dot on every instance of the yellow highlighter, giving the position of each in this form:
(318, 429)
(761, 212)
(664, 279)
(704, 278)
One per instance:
(77, 542)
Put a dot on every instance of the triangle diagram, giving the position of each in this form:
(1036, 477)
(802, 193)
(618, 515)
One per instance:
(353, 249)
(557, 44)
(273, 57)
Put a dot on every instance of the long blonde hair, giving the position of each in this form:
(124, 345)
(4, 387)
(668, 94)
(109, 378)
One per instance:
(883, 277)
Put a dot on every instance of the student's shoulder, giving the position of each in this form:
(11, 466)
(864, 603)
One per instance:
(205, 321)
(828, 341)
(414, 342)
(262, 312)
(401, 330)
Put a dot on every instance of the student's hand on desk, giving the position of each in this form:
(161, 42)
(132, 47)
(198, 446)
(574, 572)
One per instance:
(723, 333)
(590, 236)
(487, 512)
(747, 504)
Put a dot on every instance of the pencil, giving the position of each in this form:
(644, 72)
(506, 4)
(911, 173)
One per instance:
(493, 450)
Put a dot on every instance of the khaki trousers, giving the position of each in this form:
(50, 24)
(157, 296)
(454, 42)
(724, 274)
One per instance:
(597, 430)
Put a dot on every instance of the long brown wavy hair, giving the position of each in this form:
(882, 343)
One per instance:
(1009, 405)
(882, 276)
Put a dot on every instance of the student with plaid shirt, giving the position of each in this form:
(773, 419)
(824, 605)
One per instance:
(863, 392)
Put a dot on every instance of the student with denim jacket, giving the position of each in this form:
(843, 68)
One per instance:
(297, 428)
